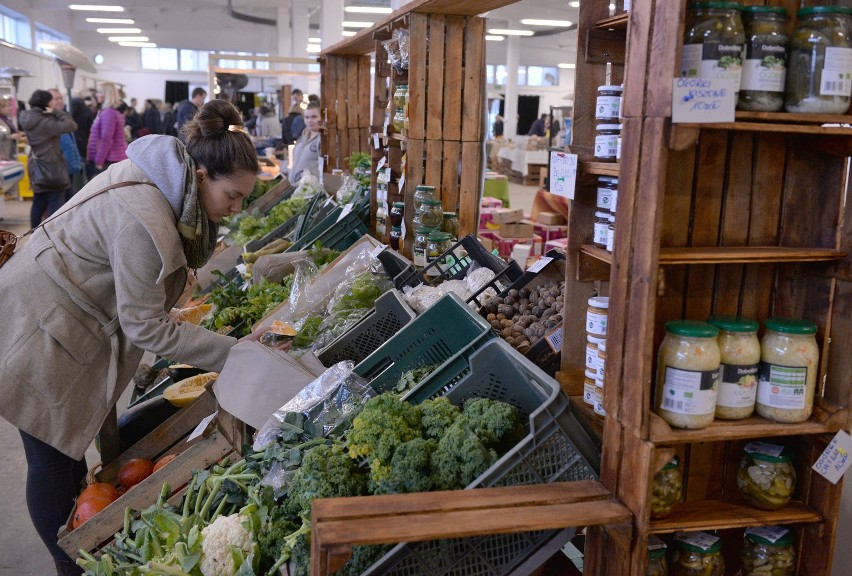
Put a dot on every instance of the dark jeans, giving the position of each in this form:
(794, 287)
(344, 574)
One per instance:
(45, 204)
(53, 480)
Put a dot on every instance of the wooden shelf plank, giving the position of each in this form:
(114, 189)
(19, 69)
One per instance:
(618, 22)
(587, 416)
(783, 128)
(719, 515)
(787, 118)
(729, 254)
(599, 168)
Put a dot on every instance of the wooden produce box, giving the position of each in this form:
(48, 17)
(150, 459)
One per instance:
(223, 438)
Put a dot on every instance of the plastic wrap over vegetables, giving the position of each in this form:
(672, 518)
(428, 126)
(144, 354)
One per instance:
(348, 190)
(309, 186)
(423, 297)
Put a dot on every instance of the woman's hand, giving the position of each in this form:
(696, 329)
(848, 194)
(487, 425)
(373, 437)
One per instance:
(48, 110)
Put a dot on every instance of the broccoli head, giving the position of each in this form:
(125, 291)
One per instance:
(409, 470)
(437, 416)
(383, 424)
(326, 472)
(496, 423)
(461, 457)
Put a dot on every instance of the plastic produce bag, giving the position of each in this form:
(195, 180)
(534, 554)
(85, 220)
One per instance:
(348, 190)
(300, 295)
(422, 297)
(309, 186)
(402, 38)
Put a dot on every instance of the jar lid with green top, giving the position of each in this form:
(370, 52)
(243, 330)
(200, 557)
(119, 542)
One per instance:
(438, 236)
(790, 326)
(450, 215)
(700, 542)
(672, 464)
(399, 204)
(770, 536)
(715, 5)
(431, 202)
(733, 323)
(811, 10)
(425, 230)
(766, 452)
(751, 10)
(656, 553)
(692, 329)
(396, 228)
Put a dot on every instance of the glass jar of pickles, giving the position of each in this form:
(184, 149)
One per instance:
(740, 351)
(667, 489)
(430, 214)
(451, 225)
(765, 65)
(688, 373)
(766, 478)
(400, 96)
(714, 42)
(697, 554)
(399, 121)
(422, 193)
(439, 242)
(657, 565)
(421, 241)
(768, 550)
(820, 61)
(789, 362)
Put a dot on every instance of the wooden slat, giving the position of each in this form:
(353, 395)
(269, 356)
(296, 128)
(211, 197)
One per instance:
(729, 255)
(470, 192)
(605, 46)
(417, 73)
(720, 515)
(364, 83)
(434, 161)
(352, 92)
(638, 38)
(473, 103)
(342, 120)
(343, 151)
(435, 78)
(771, 128)
(453, 77)
(599, 168)
(664, 62)
(450, 176)
(818, 541)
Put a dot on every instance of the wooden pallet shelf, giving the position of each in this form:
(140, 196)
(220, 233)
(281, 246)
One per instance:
(618, 22)
(728, 255)
(599, 168)
(721, 514)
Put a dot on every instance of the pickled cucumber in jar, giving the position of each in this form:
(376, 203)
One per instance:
(667, 489)
(819, 67)
(714, 43)
(765, 65)
(697, 554)
(657, 565)
(766, 478)
(768, 551)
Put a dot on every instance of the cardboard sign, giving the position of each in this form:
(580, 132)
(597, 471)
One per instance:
(834, 461)
(703, 100)
(563, 174)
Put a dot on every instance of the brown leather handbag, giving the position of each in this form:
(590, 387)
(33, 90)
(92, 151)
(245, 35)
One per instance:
(8, 241)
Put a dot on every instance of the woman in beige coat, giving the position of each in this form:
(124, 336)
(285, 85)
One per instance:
(82, 299)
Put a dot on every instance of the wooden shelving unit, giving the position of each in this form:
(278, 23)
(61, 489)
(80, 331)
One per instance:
(744, 218)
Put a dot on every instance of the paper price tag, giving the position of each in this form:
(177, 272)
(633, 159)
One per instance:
(376, 143)
(385, 129)
(539, 264)
(401, 182)
(563, 174)
(700, 539)
(202, 426)
(764, 448)
(554, 340)
(834, 461)
(381, 163)
(771, 533)
(378, 250)
(346, 210)
(329, 201)
(241, 268)
(703, 100)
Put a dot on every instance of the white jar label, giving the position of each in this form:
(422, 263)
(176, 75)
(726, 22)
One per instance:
(591, 357)
(589, 394)
(739, 386)
(606, 145)
(596, 323)
(765, 68)
(419, 255)
(610, 238)
(614, 201)
(836, 78)
(601, 369)
(618, 149)
(691, 392)
(599, 409)
(600, 232)
(711, 60)
(604, 198)
(608, 107)
(782, 386)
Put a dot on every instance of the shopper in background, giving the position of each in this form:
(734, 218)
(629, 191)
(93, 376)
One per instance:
(189, 108)
(306, 154)
(90, 290)
(293, 124)
(167, 117)
(107, 144)
(81, 111)
(133, 120)
(268, 126)
(43, 126)
(151, 118)
(498, 127)
(539, 126)
(68, 145)
(9, 134)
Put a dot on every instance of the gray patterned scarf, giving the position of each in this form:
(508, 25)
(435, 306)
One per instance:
(197, 233)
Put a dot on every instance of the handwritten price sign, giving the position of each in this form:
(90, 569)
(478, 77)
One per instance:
(834, 461)
(563, 174)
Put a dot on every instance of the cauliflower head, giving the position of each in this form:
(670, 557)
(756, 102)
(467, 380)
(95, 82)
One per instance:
(217, 539)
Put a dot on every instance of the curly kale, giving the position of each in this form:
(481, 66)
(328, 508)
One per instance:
(300, 556)
(362, 558)
(437, 415)
(461, 457)
(326, 472)
(496, 423)
(383, 424)
(273, 535)
(409, 471)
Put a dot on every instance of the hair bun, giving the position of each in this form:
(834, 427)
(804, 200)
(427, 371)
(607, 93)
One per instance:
(215, 117)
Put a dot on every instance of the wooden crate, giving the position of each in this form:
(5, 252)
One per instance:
(345, 82)
(223, 439)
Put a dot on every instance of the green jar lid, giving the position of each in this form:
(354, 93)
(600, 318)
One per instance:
(692, 329)
(673, 463)
(765, 10)
(398, 86)
(689, 546)
(438, 236)
(811, 10)
(424, 187)
(656, 553)
(399, 204)
(450, 215)
(396, 228)
(425, 230)
(765, 452)
(785, 540)
(716, 5)
(429, 202)
(790, 326)
(733, 323)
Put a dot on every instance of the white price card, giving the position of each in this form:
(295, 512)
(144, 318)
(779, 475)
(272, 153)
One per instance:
(346, 210)
(834, 461)
(378, 250)
(385, 129)
(554, 340)
(381, 163)
(539, 264)
(771, 533)
(329, 201)
(703, 100)
(376, 143)
(700, 539)
(401, 182)
(241, 268)
(202, 426)
(563, 174)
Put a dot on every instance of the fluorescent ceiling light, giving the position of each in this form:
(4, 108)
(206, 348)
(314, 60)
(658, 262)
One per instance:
(127, 38)
(510, 32)
(534, 22)
(566, 65)
(494, 38)
(315, 40)
(110, 21)
(368, 10)
(119, 30)
(348, 24)
(574, 4)
(96, 7)
(313, 48)
(348, 33)
(138, 44)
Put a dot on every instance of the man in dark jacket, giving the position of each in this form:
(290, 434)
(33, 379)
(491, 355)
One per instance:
(188, 108)
(151, 118)
(539, 126)
(82, 114)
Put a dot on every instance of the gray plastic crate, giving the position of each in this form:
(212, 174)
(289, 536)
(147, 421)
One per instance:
(555, 449)
(376, 328)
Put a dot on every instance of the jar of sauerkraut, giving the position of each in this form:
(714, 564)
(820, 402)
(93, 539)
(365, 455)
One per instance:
(740, 351)
(789, 362)
(688, 373)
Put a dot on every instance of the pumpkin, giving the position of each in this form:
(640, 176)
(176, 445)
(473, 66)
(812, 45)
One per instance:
(182, 393)
(87, 509)
(98, 490)
(163, 461)
(134, 471)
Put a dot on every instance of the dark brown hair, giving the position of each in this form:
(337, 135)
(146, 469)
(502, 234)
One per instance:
(313, 106)
(40, 99)
(217, 140)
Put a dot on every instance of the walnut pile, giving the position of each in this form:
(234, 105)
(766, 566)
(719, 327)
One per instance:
(522, 317)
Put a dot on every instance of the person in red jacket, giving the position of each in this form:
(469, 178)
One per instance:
(107, 144)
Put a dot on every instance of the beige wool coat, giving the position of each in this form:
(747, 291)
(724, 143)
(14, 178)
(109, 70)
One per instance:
(82, 299)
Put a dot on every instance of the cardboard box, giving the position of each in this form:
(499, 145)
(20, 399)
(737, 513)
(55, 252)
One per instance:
(551, 219)
(507, 215)
(505, 245)
(560, 244)
(486, 241)
(489, 202)
(517, 230)
(549, 233)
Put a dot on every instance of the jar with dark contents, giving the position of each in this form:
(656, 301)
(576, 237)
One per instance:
(667, 489)
(396, 214)
(697, 554)
(768, 550)
(396, 240)
(765, 64)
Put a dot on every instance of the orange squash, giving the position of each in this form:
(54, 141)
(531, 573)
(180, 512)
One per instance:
(98, 490)
(163, 461)
(134, 471)
(87, 509)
